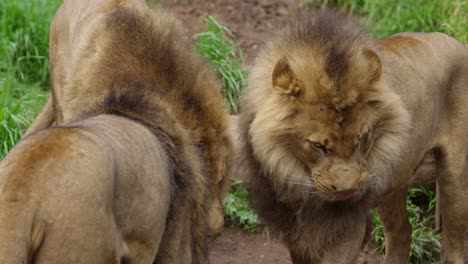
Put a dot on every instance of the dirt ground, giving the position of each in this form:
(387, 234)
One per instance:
(236, 246)
(251, 21)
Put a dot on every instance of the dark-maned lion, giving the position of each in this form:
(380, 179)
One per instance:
(94, 191)
(119, 57)
(123, 47)
(334, 123)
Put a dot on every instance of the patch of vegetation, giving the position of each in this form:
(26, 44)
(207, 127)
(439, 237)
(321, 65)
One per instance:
(425, 244)
(216, 45)
(155, 6)
(24, 38)
(389, 17)
(238, 209)
(19, 104)
(24, 65)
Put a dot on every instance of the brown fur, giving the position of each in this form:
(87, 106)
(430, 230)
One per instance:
(333, 123)
(79, 194)
(119, 57)
(122, 46)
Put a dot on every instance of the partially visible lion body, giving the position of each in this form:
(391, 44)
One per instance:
(94, 191)
(119, 57)
(334, 123)
(124, 48)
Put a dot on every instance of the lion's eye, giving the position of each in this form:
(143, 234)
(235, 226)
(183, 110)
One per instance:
(363, 139)
(319, 146)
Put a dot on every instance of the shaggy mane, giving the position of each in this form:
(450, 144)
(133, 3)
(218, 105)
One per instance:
(140, 65)
(337, 70)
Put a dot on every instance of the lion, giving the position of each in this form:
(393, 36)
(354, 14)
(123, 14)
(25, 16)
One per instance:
(92, 191)
(120, 58)
(120, 47)
(334, 123)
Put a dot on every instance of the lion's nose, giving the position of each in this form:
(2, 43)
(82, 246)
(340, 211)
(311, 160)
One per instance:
(345, 180)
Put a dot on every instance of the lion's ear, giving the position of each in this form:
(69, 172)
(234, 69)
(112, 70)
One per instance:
(285, 80)
(375, 66)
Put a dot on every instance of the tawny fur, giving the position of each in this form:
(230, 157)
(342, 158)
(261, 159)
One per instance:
(120, 57)
(122, 46)
(334, 123)
(94, 191)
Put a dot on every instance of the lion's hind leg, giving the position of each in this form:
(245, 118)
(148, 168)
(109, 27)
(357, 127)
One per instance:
(452, 173)
(138, 253)
(452, 170)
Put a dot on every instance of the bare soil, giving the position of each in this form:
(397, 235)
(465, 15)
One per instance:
(236, 246)
(251, 21)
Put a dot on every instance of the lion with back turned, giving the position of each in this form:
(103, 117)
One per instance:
(93, 191)
(334, 123)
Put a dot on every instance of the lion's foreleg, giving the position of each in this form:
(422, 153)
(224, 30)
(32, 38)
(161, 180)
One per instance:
(297, 257)
(397, 229)
(346, 251)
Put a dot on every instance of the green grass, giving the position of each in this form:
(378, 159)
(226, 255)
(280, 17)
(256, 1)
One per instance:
(388, 17)
(24, 74)
(19, 104)
(24, 38)
(155, 6)
(238, 210)
(216, 45)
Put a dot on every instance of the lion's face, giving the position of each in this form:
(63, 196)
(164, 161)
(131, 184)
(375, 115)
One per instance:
(333, 150)
(327, 151)
(317, 133)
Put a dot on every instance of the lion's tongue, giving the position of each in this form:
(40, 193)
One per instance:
(344, 195)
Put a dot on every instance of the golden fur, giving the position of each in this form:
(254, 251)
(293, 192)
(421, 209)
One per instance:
(119, 57)
(334, 123)
(122, 47)
(94, 191)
